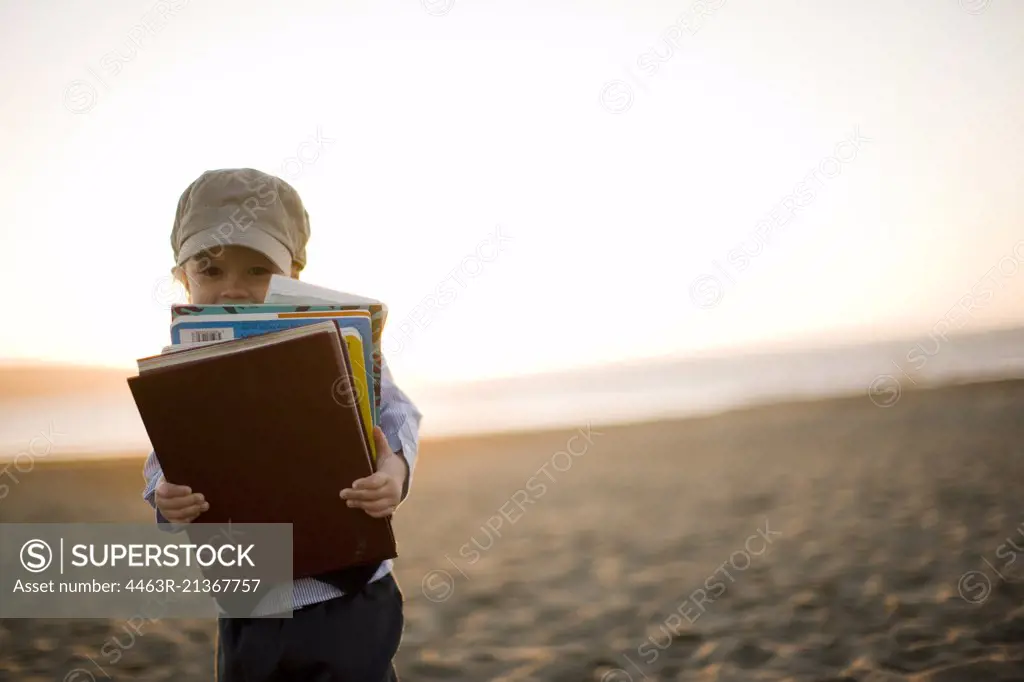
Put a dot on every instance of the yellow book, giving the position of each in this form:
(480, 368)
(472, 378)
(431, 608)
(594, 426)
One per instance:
(355, 353)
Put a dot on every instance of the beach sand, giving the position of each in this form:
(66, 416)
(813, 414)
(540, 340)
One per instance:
(830, 539)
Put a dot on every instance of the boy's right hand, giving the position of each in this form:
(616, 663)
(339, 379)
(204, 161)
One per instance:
(177, 503)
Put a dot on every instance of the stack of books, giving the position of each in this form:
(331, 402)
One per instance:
(268, 410)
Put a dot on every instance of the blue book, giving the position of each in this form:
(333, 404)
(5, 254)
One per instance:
(201, 324)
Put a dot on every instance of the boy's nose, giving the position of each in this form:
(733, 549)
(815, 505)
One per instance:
(234, 292)
(236, 295)
(235, 289)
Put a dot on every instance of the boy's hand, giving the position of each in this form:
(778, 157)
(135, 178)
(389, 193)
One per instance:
(380, 493)
(177, 503)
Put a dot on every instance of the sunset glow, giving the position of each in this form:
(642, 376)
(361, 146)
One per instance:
(659, 186)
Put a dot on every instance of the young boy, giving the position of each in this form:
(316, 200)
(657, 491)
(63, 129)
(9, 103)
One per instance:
(233, 229)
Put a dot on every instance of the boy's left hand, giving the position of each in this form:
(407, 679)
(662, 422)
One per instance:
(380, 493)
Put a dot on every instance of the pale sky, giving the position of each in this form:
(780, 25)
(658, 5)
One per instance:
(619, 182)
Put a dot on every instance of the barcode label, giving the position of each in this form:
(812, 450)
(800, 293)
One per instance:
(206, 335)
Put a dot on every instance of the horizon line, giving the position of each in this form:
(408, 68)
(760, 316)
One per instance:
(784, 346)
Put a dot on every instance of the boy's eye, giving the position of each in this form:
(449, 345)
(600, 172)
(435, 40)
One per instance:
(260, 271)
(211, 271)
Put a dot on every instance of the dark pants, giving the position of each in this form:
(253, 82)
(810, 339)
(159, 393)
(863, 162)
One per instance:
(346, 639)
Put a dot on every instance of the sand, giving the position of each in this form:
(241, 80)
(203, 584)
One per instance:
(830, 540)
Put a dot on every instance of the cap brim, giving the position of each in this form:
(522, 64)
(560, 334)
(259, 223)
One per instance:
(213, 240)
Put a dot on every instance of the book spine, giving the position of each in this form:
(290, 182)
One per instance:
(345, 387)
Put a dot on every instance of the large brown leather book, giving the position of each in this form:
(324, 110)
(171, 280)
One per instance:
(257, 426)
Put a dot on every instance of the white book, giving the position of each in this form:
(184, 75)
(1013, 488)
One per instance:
(288, 291)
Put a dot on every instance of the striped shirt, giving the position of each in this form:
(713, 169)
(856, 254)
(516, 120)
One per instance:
(400, 421)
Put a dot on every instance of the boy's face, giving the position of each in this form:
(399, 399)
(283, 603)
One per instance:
(230, 275)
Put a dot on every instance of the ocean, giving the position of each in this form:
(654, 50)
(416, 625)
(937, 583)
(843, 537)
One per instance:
(96, 426)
